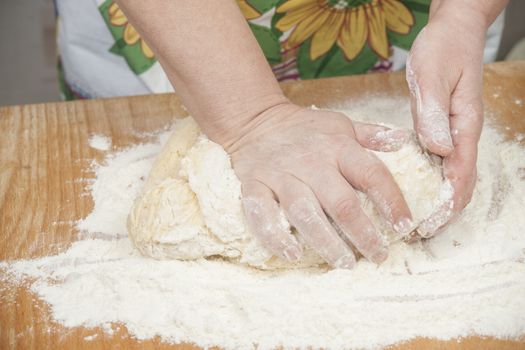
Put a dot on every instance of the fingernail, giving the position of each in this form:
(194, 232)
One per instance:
(345, 262)
(443, 139)
(292, 253)
(380, 255)
(442, 214)
(404, 226)
(412, 237)
(425, 231)
(431, 225)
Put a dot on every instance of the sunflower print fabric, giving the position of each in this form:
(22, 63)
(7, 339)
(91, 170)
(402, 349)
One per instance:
(128, 42)
(304, 39)
(130, 34)
(348, 27)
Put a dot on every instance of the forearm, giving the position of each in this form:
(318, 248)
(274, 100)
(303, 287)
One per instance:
(212, 59)
(481, 12)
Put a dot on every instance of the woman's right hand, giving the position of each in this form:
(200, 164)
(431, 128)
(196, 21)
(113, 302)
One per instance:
(312, 162)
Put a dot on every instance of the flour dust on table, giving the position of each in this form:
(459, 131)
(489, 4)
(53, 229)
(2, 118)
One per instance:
(469, 279)
(100, 142)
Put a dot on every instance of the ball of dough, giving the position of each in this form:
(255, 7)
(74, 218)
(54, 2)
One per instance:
(191, 205)
(167, 223)
(419, 176)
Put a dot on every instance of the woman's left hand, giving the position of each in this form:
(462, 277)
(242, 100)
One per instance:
(444, 74)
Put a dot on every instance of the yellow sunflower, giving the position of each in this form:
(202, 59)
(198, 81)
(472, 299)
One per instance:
(349, 23)
(248, 10)
(130, 36)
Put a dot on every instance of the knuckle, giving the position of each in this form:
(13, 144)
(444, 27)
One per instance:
(253, 208)
(260, 218)
(396, 205)
(373, 173)
(302, 211)
(347, 210)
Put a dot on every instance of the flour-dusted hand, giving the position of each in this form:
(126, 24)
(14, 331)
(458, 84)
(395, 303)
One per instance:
(444, 74)
(311, 162)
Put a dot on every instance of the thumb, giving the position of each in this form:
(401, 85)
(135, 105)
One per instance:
(430, 101)
(380, 138)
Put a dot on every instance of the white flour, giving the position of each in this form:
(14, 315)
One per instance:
(468, 280)
(100, 142)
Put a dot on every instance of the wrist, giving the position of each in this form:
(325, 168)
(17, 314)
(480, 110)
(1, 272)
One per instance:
(231, 122)
(264, 124)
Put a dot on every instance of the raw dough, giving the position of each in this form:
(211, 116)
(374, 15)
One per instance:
(191, 207)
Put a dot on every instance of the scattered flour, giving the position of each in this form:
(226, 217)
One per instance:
(100, 142)
(117, 184)
(91, 337)
(468, 280)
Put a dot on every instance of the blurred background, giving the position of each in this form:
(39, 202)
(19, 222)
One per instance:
(28, 56)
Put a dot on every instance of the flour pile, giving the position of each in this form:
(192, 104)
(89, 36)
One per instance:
(468, 280)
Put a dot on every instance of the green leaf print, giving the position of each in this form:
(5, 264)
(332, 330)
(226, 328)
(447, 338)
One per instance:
(333, 63)
(263, 6)
(277, 16)
(422, 6)
(133, 54)
(117, 47)
(268, 43)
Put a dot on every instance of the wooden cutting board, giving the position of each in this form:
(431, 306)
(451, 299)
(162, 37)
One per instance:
(44, 148)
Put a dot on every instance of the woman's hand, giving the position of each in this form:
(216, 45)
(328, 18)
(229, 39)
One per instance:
(444, 74)
(309, 161)
(312, 162)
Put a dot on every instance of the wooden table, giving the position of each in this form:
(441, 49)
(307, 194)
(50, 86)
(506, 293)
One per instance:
(44, 148)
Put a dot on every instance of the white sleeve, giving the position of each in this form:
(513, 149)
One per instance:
(90, 69)
(493, 39)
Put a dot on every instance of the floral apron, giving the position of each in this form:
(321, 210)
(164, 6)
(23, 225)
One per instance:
(102, 55)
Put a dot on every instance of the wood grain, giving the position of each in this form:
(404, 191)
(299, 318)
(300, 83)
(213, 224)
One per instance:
(44, 152)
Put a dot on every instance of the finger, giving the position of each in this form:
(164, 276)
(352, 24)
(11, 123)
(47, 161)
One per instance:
(466, 124)
(379, 138)
(441, 215)
(265, 221)
(341, 202)
(430, 100)
(459, 168)
(449, 205)
(304, 212)
(369, 175)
